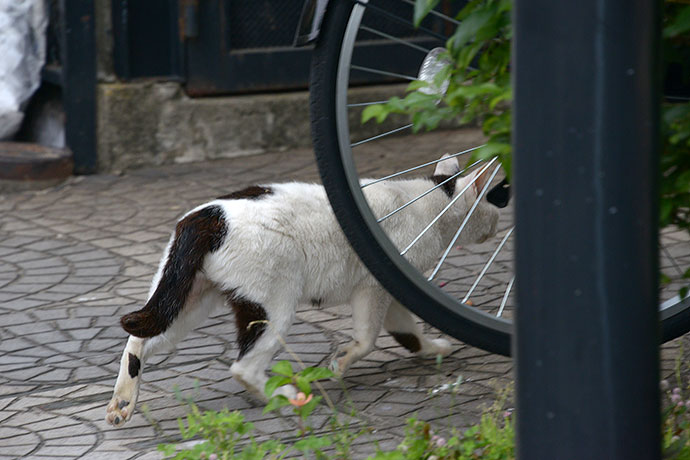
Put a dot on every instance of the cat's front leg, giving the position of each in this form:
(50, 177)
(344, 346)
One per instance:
(126, 390)
(369, 305)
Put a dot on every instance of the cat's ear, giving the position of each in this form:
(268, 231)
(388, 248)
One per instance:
(447, 167)
(479, 184)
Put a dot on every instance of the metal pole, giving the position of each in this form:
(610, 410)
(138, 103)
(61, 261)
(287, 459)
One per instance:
(586, 153)
(78, 53)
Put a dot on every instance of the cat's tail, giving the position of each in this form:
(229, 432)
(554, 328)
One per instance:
(196, 235)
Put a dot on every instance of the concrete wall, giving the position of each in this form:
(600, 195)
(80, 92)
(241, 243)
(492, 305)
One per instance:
(144, 123)
(153, 123)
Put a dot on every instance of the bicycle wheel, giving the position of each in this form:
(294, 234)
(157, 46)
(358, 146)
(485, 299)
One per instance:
(470, 301)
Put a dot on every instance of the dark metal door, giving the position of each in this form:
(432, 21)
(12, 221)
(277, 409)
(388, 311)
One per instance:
(236, 46)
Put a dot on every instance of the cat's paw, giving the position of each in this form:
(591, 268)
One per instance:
(289, 391)
(119, 411)
(334, 367)
(443, 347)
(340, 360)
(436, 347)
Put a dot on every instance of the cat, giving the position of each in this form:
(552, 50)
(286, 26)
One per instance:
(266, 249)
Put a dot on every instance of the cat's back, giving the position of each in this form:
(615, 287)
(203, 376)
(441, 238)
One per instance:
(287, 229)
(294, 209)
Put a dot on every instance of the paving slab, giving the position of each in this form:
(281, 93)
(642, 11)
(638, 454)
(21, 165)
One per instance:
(76, 257)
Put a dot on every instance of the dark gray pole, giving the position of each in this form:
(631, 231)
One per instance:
(586, 152)
(78, 54)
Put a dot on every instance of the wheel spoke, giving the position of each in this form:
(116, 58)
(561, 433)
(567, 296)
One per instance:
(383, 72)
(422, 166)
(440, 184)
(395, 39)
(403, 21)
(464, 222)
(505, 297)
(438, 14)
(456, 198)
(364, 104)
(393, 131)
(488, 264)
(677, 98)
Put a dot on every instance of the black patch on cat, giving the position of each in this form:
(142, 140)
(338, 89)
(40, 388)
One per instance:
(407, 340)
(249, 193)
(499, 196)
(134, 365)
(448, 187)
(316, 302)
(123, 403)
(196, 235)
(250, 320)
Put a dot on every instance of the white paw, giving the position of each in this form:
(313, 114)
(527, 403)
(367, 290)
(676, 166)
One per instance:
(341, 359)
(339, 365)
(119, 410)
(443, 347)
(289, 391)
(436, 347)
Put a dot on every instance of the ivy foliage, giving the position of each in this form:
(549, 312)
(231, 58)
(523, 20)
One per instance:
(479, 88)
(479, 91)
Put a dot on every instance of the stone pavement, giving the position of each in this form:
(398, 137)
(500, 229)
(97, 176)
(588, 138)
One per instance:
(74, 258)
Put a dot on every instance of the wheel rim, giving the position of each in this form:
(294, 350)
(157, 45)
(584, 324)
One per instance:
(671, 308)
(342, 80)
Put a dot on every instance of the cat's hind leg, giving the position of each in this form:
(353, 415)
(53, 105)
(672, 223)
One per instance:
(126, 389)
(369, 305)
(405, 329)
(201, 302)
(260, 329)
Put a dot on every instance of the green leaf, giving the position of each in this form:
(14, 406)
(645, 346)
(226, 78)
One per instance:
(506, 95)
(313, 443)
(307, 409)
(415, 85)
(469, 28)
(392, 455)
(167, 449)
(303, 384)
(283, 368)
(378, 111)
(421, 100)
(680, 24)
(468, 9)
(421, 9)
(316, 373)
(276, 402)
(274, 382)
(683, 181)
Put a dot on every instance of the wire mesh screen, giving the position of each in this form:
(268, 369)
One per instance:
(261, 23)
(272, 24)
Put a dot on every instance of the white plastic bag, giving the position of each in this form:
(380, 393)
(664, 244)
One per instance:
(22, 54)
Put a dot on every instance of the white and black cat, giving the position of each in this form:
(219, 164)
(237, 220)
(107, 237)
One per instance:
(266, 249)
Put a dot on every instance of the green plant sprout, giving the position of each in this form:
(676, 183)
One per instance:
(479, 91)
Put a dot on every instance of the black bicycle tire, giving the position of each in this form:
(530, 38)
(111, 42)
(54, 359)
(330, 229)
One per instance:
(673, 322)
(674, 326)
(440, 310)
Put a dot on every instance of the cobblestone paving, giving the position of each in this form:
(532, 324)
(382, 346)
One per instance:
(73, 259)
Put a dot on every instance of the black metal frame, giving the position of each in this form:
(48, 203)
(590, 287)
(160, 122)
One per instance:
(147, 41)
(72, 67)
(587, 98)
(78, 42)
